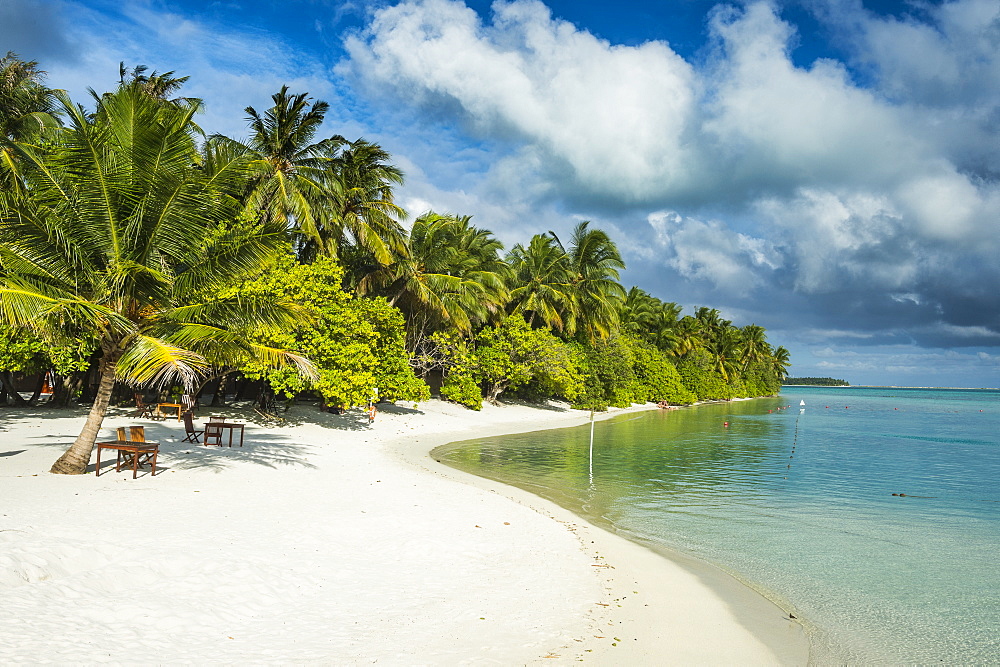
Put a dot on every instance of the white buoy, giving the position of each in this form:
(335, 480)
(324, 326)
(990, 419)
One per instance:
(802, 402)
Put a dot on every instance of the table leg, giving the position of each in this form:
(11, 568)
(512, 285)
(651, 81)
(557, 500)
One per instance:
(97, 468)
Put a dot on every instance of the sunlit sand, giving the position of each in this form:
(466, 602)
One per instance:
(329, 540)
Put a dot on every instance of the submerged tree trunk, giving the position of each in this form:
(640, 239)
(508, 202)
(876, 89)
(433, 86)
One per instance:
(77, 457)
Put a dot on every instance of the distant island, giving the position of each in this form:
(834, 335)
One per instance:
(820, 382)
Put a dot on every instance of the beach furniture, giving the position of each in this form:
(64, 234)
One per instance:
(160, 412)
(189, 404)
(132, 450)
(142, 409)
(189, 429)
(214, 432)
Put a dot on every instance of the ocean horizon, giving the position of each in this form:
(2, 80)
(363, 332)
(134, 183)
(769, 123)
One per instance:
(871, 513)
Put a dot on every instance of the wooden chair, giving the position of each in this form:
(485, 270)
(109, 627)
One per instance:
(188, 404)
(132, 450)
(213, 433)
(192, 433)
(142, 409)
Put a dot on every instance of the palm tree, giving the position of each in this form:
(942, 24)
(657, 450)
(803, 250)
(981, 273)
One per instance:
(686, 337)
(754, 344)
(156, 85)
(726, 351)
(293, 179)
(638, 312)
(593, 264)
(781, 361)
(540, 282)
(363, 217)
(663, 332)
(711, 320)
(448, 275)
(27, 108)
(117, 233)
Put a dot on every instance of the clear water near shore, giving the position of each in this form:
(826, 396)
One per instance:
(799, 504)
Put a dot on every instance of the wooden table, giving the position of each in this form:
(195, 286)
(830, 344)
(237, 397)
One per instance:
(140, 452)
(232, 427)
(177, 406)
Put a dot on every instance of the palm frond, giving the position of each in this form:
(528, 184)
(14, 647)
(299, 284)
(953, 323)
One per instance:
(153, 361)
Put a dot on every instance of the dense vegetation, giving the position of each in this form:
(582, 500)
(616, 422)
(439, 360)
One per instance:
(818, 382)
(137, 251)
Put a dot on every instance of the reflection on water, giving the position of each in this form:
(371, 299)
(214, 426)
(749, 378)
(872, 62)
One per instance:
(800, 504)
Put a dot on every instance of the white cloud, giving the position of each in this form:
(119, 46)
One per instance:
(837, 237)
(618, 117)
(708, 250)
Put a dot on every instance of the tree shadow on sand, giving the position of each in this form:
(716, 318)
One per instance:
(263, 449)
(267, 443)
(551, 406)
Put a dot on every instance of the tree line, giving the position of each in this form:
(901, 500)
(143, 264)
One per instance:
(139, 248)
(818, 382)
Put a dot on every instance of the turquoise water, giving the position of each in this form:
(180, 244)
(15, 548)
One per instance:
(798, 502)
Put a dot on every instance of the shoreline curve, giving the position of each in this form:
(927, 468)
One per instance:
(330, 540)
(721, 620)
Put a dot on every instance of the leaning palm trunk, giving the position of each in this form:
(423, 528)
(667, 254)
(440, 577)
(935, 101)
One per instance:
(77, 457)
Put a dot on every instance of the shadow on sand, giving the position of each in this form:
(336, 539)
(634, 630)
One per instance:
(270, 443)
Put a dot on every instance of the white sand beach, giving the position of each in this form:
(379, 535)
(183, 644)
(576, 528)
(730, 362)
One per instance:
(328, 540)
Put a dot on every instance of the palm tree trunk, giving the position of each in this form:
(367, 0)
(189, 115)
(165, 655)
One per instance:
(77, 457)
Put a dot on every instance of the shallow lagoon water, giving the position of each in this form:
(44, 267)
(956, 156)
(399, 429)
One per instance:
(798, 503)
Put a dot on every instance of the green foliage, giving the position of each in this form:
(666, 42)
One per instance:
(701, 377)
(571, 288)
(610, 375)
(23, 350)
(355, 344)
(459, 365)
(819, 382)
(463, 389)
(448, 275)
(20, 349)
(623, 370)
(513, 355)
(761, 379)
(658, 376)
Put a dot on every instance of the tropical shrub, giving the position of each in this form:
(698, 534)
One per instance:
(513, 355)
(699, 374)
(356, 345)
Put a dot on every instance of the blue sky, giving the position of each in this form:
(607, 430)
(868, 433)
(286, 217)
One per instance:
(827, 169)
